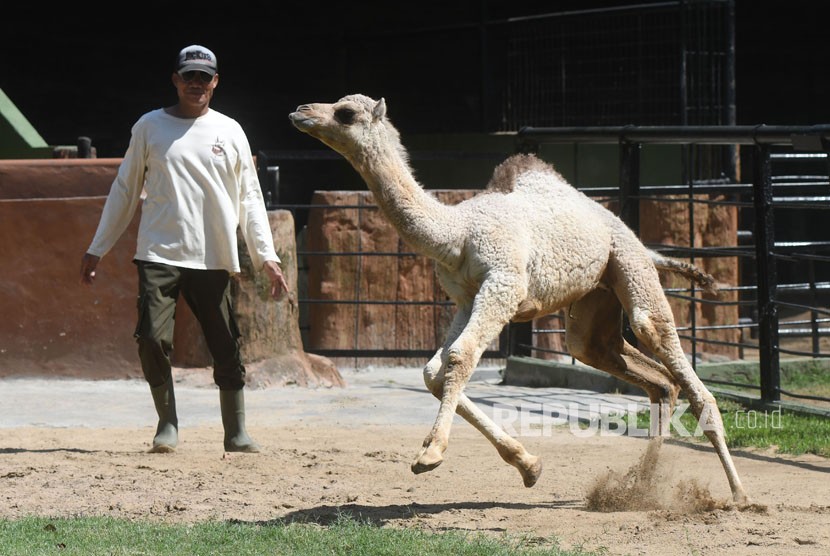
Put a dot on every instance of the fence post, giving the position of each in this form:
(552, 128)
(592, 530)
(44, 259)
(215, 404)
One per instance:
(520, 338)
(84, 147)
(768, 353)
(269, 179)
(630, 203)
(630, 184)
(815, 333)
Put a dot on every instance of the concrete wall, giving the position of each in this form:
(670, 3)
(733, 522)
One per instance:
(54, 179)
(51, 324)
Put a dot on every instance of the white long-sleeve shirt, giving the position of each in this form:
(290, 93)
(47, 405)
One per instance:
(199, 184)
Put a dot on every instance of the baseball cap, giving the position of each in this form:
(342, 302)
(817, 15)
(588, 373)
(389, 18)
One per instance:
(198, 58)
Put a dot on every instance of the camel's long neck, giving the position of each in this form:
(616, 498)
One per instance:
(420, 219)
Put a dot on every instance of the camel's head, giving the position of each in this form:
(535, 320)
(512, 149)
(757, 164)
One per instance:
(348, 126)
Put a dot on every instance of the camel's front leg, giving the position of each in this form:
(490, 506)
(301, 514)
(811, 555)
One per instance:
(510, 449)
(431, 454)
(456, 373)
(447, 374)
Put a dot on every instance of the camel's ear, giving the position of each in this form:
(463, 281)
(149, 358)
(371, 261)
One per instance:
(379, 110)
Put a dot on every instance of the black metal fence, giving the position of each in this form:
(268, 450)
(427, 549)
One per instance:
(501, 67)
(771, 310)
(659, 63)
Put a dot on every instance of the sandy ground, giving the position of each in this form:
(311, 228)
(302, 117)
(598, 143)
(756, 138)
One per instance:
(77, 447)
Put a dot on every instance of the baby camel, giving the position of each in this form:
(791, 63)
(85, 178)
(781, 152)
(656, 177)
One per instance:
(528, 246)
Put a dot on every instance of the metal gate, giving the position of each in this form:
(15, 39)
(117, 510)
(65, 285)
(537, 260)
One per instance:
(771, 310)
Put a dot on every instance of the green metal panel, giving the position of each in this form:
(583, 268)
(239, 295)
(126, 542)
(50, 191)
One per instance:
(18, 139)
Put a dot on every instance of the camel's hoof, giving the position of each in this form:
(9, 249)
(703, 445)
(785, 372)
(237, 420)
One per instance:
(753, 507)
(531, 473)
(429, 458)
(418, 467)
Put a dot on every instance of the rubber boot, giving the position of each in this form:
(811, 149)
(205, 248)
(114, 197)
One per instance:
(167, 432)
(232, 403)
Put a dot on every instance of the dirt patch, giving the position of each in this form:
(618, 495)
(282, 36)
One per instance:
(81, 449)
(315, 472)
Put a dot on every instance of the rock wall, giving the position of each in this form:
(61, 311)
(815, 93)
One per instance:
(387, 271)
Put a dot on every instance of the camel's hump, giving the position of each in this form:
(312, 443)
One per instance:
(505, 175)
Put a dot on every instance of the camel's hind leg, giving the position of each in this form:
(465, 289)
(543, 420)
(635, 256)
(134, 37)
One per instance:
(594, 336)
(446, 375)
(637, 285)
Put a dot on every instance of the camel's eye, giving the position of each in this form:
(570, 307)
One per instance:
(345, 115)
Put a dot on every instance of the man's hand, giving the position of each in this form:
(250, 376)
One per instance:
(278, 283)
(88, 265)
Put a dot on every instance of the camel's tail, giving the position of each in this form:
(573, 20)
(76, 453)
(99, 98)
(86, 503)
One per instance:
(704, 280)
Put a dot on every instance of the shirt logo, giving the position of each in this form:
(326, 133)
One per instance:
(218, 148)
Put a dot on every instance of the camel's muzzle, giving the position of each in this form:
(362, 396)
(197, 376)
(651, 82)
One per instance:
(300, 120)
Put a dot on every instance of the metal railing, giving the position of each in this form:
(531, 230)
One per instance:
(764, 204)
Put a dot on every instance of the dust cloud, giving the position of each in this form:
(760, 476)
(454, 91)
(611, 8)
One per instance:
(648, 486)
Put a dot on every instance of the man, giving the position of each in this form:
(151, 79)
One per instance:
(192, 169)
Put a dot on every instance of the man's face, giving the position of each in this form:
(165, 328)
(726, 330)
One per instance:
(195, 88)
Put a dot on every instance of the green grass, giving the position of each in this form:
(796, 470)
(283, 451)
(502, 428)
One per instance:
(788, 432)
(91, 536)
(808, 376)
(811, 378)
